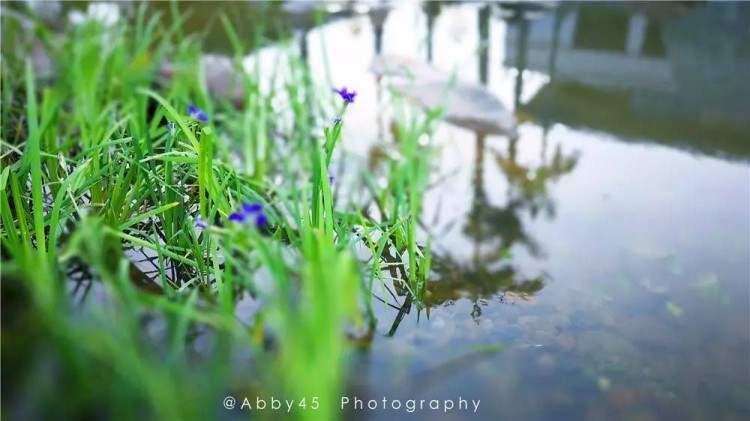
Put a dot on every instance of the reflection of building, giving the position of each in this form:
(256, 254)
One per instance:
(670, 72)
(604, 46)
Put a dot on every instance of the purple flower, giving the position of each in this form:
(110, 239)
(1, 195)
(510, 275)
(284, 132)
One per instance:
(250, 211)
(347, 96)
(261, 220)
(336, 120)
(331, 178)
(196, 112)
(251, 208)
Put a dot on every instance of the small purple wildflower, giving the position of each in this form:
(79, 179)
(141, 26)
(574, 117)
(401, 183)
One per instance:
(331, 178)
(172, 128)
(336, 120)
(197, 113)
(250, 211)
(251, 208)
(347, 96)
(261, 220)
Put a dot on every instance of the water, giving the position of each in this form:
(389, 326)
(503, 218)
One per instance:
(626, 193)
(597, 266)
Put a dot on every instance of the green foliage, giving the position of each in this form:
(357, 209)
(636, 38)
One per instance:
(92, 178)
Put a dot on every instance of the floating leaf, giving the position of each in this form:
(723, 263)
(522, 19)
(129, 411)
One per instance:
(708, 281)
(657, 289)
(674, 309)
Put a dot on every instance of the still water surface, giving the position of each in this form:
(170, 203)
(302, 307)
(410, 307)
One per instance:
(638, 227)
(606, 248)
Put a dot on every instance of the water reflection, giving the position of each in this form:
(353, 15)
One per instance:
(502, 228)
(603, 340)
(643, 72)
(528, 185)
(495, 230)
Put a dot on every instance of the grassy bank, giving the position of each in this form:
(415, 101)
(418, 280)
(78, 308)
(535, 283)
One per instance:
(174, 205)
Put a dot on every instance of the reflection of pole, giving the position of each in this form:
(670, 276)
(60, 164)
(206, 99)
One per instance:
(479, 168)
(523, 40)
(484, 36)
(432, 8)
(512, 150)
(377, 17)
(555, 43)
(403, 311)
(478, 202)
(378, 39)
(303, 45)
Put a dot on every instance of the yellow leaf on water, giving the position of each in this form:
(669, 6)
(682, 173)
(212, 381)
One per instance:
(708, 281)
(674, 309)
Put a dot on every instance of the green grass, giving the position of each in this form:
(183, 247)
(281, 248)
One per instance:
(91, 174)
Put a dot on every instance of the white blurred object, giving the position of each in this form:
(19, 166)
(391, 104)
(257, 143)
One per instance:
(458, 27)
(467, 105)
(106, 13)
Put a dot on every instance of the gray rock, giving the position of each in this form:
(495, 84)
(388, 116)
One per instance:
(466, 105)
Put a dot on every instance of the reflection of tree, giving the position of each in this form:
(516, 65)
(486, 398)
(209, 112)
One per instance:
(527, 191)
(529, 185)
(500, 227)
(495, 230)
(476, 282)
(487, 223)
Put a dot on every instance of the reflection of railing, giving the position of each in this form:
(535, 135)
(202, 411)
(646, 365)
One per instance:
(688, 61)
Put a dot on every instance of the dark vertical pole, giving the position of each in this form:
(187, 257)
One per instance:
(378, 39)
(377, 19)
(303, 45)
(523, 41)
(555, 43)
(479, 169)
(432, 9)
(484, 36)
(479, 201)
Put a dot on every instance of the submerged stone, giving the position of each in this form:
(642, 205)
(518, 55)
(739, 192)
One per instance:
(468, 105)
